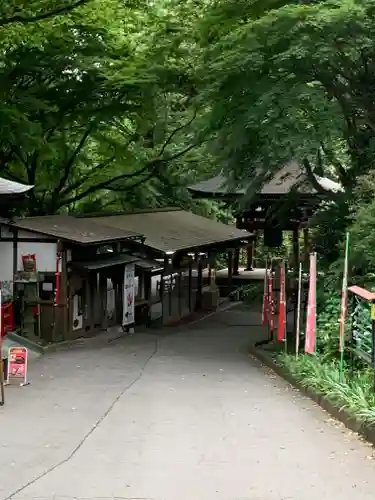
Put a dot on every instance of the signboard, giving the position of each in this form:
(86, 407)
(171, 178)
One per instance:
(129, 295)
(362, 328)
(17, 364)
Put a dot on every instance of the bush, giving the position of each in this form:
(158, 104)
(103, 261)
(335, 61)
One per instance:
(353, 393)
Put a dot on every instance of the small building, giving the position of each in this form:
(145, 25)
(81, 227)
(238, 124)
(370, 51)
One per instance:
(68, 276)
(181, 249)
(285, 202)
(76, 265)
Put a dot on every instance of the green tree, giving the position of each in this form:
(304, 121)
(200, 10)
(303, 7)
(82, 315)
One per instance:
(296, 83)
(95, 103)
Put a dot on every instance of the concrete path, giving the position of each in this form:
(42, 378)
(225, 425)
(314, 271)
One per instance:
(185, 417)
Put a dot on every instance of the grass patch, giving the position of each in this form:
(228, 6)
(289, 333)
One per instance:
(353, 393)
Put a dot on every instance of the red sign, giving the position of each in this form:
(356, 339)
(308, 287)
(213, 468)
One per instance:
(311, 308)
(265, 301)
(58, 279)
(17, 363)
(7, 323)
(281, 329)
(271, 304)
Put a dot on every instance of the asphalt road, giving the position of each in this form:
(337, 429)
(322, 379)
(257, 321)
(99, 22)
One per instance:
(188, 416)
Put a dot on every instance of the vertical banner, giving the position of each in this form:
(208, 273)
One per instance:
(281, 328)
(2, 380)
(129, 295)
(265, 299)
(344, 300)
(17, 364)
(299, 300)
(271, 305)
(311, 308)
(58, 279)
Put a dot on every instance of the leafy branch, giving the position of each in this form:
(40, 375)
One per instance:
(19, 18)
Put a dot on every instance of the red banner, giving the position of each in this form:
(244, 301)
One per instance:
(311, 308)
(58, 279)
(271, 304)
(265, 301)
(281, 329)
(7, 319)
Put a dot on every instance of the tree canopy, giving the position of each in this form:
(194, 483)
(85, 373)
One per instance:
(123, 103)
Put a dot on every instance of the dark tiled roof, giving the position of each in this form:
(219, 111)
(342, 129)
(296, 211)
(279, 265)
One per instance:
(77, 230)
(169, 231)
(288, 178)
(106, 261)
(12, 188)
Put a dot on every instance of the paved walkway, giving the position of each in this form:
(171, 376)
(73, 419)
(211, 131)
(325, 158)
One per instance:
(186, 417)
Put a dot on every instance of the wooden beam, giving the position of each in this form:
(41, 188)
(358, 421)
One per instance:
(230, 270)
(236, 262)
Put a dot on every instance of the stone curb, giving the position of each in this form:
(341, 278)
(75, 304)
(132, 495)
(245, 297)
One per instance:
(367, 431)
(33, 346)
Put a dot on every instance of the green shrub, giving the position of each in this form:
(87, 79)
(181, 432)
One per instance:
(353, 392)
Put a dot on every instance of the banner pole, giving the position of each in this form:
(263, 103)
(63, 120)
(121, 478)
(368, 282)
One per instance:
(344, 294)
(299, 297)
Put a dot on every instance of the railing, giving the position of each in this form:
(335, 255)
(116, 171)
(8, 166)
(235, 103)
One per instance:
(363, 323)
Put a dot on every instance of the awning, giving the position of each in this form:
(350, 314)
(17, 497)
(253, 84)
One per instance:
(149, 264)
(101, 263)
(171, 230)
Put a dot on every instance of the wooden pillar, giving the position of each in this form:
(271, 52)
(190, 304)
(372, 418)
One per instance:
(65, 297)
(119, 295)
(179, 294)
(103, 300)
(162, 288)
(209, 273)
(295, 272)
(200, 285)
(230, 271)
(190, 285)
(306, 246)
(295, 251)
(250, 256)
(236, 262)
(148, 295)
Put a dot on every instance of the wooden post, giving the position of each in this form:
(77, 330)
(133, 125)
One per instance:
(103, 300)
(179, 295)
(65, 294)
(306, 245)
(190, 285)
(198, 304)
(236, 262)
(295, 272)
(230, 271)
(295, 251)
(148, 295)
(250, 255)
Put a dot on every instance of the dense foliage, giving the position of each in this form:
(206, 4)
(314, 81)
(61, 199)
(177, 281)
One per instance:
(124, 103)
